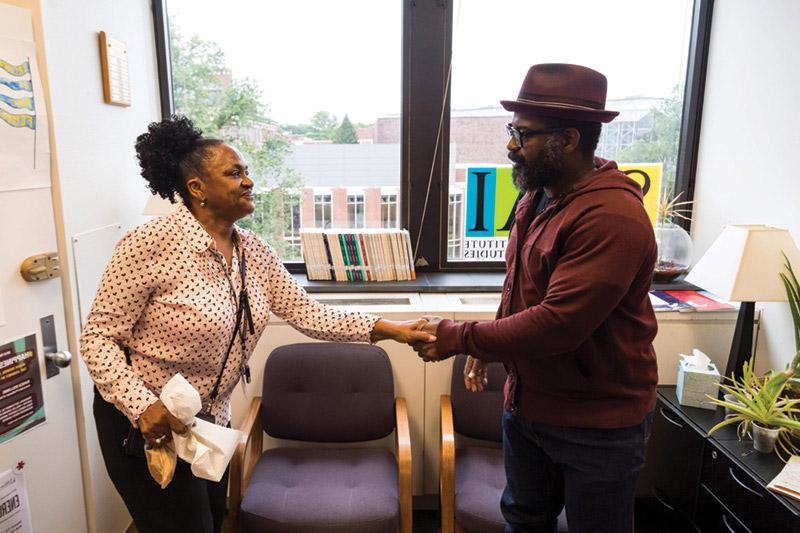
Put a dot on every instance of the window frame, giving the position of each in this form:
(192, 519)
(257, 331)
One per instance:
(323, 203)
(356, 214)
(291, 233)
(391, 208)
(425, 123)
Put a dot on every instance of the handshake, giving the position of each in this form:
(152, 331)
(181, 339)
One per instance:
(420, 334)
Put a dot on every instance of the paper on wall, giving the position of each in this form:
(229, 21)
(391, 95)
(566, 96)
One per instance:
(15, 513)
(24, 141)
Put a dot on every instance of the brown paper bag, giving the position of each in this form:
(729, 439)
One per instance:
(161, 463)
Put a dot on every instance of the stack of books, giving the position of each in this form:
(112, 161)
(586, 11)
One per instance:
(687, 301)
(358, 255)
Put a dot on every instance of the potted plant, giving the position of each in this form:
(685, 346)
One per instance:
(793, 296)
(760, 408)
(673, 242)
(790, 442)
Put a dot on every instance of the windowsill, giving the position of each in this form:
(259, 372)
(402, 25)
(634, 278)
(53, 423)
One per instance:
(442, 282)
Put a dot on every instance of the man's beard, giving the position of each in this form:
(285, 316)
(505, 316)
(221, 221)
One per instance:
(544, 170)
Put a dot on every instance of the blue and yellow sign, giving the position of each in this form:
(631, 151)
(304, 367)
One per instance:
(492, 200)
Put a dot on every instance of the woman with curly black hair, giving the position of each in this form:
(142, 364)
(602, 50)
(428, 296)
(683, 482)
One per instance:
(191, 293)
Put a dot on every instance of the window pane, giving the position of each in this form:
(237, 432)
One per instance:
(313, 103)
(355, 211)
(322, 211)
(644, 59)
(389, 211)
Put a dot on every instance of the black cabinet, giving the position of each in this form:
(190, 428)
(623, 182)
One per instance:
(667, 489)
(694, 483)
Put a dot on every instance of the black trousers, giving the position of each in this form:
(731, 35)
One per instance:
(591, 472)
(188, 503)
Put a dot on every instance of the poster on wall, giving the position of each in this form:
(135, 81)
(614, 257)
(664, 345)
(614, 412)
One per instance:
(21, 400)
(15, 514)
(24, 140)
(648, 176)
(490, 204)
(492, 199)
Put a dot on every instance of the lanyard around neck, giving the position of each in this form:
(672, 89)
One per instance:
(242, 309)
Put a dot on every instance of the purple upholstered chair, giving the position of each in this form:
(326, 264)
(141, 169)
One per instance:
(324, 393)
(472, 476)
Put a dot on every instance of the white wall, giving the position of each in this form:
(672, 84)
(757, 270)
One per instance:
(748, 169)
(98, 171)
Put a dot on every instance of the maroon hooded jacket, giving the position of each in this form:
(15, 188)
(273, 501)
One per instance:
(575, 325)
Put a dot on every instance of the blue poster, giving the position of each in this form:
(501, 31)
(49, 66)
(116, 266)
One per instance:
(480, 202)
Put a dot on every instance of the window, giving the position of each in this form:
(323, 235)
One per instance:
(454, 226)
(355, 210)
(388, 210)
(649, 98)
(322, 211)
(425, 113)
(311, 103)
(292, 233)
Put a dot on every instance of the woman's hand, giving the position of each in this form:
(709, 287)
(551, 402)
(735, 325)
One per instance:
(475, 374)
(405, 331)
(157, 424)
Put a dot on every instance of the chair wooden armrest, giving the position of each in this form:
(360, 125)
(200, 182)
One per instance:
(404, 464)
(245, 457)
(447, 464)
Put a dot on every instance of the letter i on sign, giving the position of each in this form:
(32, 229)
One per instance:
(480, 202)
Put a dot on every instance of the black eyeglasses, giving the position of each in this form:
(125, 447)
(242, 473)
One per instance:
(519, 135)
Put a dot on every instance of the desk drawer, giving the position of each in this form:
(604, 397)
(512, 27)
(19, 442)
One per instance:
(673, 462)
(654, 515)
(756, 507)
(713, 517)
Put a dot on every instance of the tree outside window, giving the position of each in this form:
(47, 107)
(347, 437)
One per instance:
(230, 109)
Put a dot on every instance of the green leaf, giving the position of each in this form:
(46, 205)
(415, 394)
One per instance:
(728, 421)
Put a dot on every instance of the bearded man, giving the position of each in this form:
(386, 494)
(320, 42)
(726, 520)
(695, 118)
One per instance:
(575, 325)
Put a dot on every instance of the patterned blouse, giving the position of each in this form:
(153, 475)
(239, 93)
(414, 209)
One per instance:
(166, 297)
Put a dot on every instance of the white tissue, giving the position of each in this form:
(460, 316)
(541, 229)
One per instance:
(697, 361)
(206, 446)
(182, 400)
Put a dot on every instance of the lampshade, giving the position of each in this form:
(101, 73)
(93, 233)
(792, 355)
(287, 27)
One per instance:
(745, 262)
(159, 207)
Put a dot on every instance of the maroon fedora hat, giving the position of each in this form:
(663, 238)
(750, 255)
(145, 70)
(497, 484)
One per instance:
(563, 91)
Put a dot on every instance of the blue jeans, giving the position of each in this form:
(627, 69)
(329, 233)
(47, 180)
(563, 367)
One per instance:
(591, 472)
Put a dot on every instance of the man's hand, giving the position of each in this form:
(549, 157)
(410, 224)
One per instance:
(157, 424)
(406, 331)
(427, 350)
(476, 374)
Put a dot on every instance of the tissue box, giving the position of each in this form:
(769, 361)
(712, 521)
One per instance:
(694, 384)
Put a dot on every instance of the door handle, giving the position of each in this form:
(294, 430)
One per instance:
(61, 359)
(41, 267)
